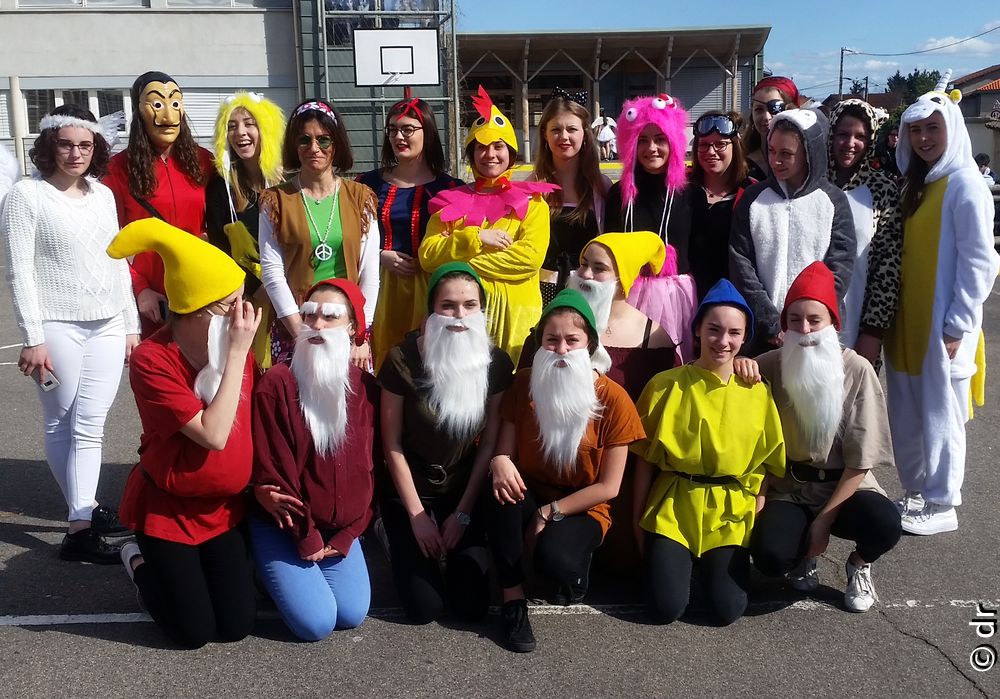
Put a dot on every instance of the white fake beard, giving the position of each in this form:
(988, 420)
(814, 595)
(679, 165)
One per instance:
(208, 380)
(562, 388)
(458, 371)
(812, 373)
(599, 295)
(322, 373)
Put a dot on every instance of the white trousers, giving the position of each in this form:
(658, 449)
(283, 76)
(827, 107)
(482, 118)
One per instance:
(927, 420)
(87, 359)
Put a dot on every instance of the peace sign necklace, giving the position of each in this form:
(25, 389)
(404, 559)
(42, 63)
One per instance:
(323, 251)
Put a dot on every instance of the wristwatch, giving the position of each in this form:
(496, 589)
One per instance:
(556, 514)
(462, 518)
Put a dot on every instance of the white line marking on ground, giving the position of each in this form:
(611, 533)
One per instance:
(16, 344)
(536, 610)
(8, 363)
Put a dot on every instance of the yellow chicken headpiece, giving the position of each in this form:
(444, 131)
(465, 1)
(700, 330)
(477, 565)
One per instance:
(491, 125)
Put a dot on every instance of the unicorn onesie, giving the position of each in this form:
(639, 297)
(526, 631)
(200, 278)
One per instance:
(948, 269)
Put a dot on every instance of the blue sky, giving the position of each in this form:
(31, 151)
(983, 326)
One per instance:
(805, 37)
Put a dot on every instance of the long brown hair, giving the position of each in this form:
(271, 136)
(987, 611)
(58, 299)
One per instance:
(737, 170)
(141, 153)
(913, 186)
(588, 172)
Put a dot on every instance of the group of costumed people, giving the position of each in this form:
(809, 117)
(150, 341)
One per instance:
(674, 371)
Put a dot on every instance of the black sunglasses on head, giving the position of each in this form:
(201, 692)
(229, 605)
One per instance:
(722, 125)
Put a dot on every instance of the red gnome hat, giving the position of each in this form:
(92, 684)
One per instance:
(815, 282)
(356, 298)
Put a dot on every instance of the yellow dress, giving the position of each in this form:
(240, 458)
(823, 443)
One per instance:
(697, 424)
(510, 276)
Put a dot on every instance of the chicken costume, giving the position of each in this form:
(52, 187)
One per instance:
(510, 275)
(948, 269)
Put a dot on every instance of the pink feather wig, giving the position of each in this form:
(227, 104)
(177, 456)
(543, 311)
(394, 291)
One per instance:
(665, 112)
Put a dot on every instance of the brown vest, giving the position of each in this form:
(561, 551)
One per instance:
(283, 204)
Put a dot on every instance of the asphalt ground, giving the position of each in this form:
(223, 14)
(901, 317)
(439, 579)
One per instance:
(75, 630)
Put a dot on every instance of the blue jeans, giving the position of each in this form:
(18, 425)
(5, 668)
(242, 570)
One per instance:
(313, 598)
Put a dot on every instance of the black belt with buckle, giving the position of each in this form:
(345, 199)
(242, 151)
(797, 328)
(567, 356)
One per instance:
(707, 480)
(801, 472)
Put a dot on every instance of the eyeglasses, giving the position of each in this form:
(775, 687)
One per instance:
(66, 147)
(228, 307)
(722, 125)
(720, 147)
(406, 130)
(306, 141)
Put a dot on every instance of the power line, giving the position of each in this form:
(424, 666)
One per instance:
(913, 53)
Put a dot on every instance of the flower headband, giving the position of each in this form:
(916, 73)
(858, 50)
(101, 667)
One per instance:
(581, 98)
(314, 106)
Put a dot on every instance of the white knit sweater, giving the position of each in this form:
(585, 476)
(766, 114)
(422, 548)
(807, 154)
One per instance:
(58, 265)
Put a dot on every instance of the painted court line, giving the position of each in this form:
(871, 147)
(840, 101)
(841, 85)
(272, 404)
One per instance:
(537, 610)
(16, 344)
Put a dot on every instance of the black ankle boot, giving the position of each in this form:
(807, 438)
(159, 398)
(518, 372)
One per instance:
(87, 545)
(517, 634)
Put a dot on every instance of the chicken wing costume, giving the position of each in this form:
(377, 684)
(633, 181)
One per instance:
(948, 269)
(509, 276)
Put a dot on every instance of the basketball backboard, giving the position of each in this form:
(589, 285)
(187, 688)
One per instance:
(408, 57)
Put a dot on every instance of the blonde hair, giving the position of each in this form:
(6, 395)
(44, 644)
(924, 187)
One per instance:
(271, 126)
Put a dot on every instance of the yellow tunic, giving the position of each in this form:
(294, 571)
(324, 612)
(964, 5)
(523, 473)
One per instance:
(699, 425)
(510, 276)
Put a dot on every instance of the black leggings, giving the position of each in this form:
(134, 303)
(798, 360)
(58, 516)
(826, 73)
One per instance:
(725, 572)
(781, 533)
(421, 587)
(562, 552)
(198, 593)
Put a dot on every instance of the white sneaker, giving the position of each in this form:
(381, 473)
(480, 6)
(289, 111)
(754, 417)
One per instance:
(804, 577)
(912, 501)
(860, 593)
(932, 519)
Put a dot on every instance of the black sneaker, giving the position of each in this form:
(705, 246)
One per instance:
(105, 520)
(517, 635)
(88, 546)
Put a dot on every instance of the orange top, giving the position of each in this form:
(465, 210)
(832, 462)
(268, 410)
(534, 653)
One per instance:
(618, 425)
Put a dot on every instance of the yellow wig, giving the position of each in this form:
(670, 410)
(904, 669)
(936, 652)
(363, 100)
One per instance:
(271, 122)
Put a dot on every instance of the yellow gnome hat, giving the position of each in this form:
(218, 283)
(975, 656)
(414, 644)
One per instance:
(632, 252)
(491, 125)
(195, 273)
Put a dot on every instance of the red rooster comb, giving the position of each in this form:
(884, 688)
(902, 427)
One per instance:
(482, 103)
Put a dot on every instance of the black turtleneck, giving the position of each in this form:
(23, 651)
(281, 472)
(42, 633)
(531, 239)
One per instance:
(647, 212)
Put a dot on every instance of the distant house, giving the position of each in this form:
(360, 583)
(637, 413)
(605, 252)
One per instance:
(981, 107)
(880, 100)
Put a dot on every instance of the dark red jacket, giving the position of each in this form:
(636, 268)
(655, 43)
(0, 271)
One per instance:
(336, 489)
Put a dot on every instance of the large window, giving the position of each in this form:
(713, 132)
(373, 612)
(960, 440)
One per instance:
(78, 98)
(109, 102)
(223, 4)
(39, 103)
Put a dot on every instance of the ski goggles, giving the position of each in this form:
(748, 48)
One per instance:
(722, 125)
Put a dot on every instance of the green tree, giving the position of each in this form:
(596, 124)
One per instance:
(913, 85)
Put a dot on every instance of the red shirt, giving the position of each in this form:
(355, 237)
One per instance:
(180, 202)
(181, 491)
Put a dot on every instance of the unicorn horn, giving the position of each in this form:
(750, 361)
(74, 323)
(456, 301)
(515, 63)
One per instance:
(942, 85)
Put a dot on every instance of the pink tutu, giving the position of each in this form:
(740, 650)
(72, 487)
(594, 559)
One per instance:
(671, 300)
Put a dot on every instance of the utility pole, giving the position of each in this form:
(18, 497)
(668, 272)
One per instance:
(866, 88)
(840, 85)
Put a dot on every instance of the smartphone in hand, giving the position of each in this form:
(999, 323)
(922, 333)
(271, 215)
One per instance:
(49, 383)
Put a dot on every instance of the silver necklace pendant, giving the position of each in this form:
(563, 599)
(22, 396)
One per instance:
(323, 252)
